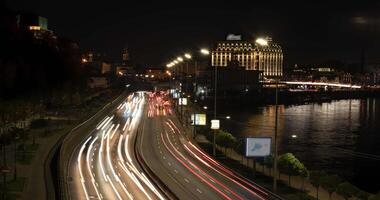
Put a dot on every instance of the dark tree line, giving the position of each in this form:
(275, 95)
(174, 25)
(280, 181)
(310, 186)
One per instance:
(29, 65)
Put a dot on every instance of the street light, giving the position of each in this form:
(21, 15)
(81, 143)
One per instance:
(205, 107)
(228, 117)
(180, 59)
(205, 52)
(294, 136)
(187, 55)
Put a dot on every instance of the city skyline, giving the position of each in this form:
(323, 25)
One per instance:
(309, 33)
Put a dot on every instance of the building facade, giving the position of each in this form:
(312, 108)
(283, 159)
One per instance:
(263, 55)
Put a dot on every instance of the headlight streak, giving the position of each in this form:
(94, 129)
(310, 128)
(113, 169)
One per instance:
(80, 167)
(113, 172)
(89, 167)
(101, 123)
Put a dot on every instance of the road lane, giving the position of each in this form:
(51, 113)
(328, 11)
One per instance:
(101, 170)
(186, 169)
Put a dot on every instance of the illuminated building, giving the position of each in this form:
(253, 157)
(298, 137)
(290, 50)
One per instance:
(35, 24)
(263, 55)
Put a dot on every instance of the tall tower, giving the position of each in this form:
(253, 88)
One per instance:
(125, 56)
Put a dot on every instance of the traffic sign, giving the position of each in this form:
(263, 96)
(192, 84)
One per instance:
(215, 124)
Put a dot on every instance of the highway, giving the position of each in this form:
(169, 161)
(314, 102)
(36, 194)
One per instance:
(186, 170)
(140, 151)
(103, 166)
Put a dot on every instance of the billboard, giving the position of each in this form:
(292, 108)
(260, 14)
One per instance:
(258, 146)
(200, 119)
(215, 124)
(175, 95)
(182, 101)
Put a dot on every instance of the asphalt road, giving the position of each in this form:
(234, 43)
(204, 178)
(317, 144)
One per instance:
(102, 167)
(188, 171)
(140, 151)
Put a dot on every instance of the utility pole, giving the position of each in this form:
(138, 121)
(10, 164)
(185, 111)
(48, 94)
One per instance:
(275, 143)
(215, 88)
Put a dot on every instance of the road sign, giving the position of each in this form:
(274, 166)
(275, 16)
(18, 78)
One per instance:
(182, 101)
(258, 146)
(215, 124)
(200, 119)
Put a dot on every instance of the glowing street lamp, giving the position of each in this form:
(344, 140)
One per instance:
(205, 52)
(180, 59)
(187, 55)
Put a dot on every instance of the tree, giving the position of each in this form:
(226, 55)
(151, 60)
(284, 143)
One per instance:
(374, 196)
(304, 173)
(239, 147)
(38, 124)
(362, 195)
(315, 179)
(225, 139)
(268, 162)
(290, 165)
(347, 190)
(330, 183)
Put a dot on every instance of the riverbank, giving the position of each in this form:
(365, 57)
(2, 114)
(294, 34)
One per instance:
(342, 134)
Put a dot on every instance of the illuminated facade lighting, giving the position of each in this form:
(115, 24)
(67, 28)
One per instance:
(262, 55)
(262, 41)
(34, 28)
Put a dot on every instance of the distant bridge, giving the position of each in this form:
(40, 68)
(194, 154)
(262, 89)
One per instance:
(321, 84)
(340, 85)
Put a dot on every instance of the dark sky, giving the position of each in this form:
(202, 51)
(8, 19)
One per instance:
(157, 31)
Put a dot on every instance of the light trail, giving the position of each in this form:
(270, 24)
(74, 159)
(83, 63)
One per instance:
(80, 168)
(113, 171)
(89, 167)
(192, 171)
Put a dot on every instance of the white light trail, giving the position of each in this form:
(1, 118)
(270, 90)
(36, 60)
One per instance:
(80, 167)
(89, 167)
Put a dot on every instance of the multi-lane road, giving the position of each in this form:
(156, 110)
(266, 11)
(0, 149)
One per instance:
(140, 151)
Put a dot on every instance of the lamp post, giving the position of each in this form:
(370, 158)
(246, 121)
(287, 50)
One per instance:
(180, 59)
(15, 157)
(275, 143)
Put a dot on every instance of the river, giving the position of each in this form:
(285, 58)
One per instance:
(340, 137)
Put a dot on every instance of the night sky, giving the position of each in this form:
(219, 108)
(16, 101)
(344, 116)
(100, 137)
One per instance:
(157, 31)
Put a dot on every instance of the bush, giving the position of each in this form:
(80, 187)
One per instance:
(290, 165)
(347, 190)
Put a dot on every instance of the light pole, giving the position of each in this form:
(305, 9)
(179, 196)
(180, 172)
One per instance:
(15, 157)
(180, 59)
(275, 143)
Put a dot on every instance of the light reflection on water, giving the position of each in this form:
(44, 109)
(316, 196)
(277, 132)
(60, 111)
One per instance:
(328, 135)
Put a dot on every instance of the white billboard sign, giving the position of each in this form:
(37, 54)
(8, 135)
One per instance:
(258, 146)
(215, 124)
(182, 101)
(200, 119)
